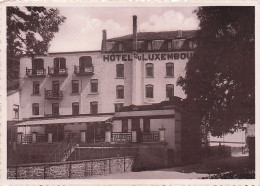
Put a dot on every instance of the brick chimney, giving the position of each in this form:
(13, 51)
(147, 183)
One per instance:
(179, 33)
(104, 40)
(134, 32)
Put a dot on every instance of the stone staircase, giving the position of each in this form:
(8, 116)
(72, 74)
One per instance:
(64, 150)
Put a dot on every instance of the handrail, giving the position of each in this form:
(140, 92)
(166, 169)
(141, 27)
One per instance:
(62, 149)
(64, 142)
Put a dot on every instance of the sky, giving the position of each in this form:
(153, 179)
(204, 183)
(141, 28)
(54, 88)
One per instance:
(82, 30)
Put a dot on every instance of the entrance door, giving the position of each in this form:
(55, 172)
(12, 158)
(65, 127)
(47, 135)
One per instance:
(136, 127)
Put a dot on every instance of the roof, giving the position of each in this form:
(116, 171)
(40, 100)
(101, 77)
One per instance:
(156, 35)
(159, 42)
(81, 119)
(10, 92)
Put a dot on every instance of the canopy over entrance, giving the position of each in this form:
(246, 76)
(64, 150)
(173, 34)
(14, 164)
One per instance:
(79, 119)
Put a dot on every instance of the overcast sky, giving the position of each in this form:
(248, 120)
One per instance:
(83, 27)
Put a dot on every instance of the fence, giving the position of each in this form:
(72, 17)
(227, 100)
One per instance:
(72, 169)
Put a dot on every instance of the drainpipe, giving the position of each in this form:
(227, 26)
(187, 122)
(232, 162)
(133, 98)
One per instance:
(134, 33)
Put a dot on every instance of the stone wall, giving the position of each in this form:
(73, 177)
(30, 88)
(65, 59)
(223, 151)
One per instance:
(72, 169)
(146, 156)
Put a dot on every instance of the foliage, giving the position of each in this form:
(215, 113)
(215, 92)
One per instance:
(236, 174)
(220, 77)
(29, 32)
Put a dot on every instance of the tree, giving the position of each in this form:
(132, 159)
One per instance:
(29, 32)
(220, 77)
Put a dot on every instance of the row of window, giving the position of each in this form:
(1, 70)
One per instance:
(75, 108)
(136, 125)
(60, 63)
(149, 70)
(56, 108)
(149, 91)
(86, 61)
(94, 88)
(175, 44)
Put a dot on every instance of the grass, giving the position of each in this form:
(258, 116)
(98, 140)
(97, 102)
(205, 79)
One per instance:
(226, 167)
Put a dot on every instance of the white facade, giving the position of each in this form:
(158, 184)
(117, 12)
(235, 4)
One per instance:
(13, 106)
(105, 73)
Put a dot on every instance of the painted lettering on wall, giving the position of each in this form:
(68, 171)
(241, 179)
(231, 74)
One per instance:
(147, 57)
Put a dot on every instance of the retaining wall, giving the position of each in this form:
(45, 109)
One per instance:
(72, 169)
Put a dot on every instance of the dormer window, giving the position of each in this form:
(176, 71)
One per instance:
(190, 44)
(149, 45)
(120, 47)
(169, 45)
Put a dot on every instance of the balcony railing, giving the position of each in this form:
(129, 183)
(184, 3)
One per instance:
(149, 136)
(81, 71)
(35, 72)
(53, 94)
(57, 71)
(121, 136)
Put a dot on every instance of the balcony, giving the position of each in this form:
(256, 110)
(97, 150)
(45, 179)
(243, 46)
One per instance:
(53, 94)
(57, 71)
(35, 72)
(83, 71)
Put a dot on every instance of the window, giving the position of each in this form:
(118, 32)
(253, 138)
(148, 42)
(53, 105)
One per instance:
(36, 87)
(75, 108)
(190, 44)
(94, 85)
(169, 45)
(55, 109)
(93, 107)
(149, 91)
(118, 106)
(120, 47)
(146, 125)
(55, 88)
(85, 61)
(59, 63)
(120, 92)
(75, 86)
(125, 125)
(35, 109)
(37, 64)
(169, 91)
(119, 70)
(169, 69)
(16, 111)
(149, 45)
(149, 70)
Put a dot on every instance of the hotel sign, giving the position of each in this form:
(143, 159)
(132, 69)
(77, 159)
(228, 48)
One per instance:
(147, 56)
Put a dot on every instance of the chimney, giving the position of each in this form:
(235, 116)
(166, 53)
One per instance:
(104, 40)
(179, 33)
(134, 33)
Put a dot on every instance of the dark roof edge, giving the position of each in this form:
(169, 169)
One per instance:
(54, 53)
(51, 53)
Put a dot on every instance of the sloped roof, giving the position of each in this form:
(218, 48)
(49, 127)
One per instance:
(156, 35)
(82, 119)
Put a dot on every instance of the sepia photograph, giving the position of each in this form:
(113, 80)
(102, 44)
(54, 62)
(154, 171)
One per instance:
(130, 92)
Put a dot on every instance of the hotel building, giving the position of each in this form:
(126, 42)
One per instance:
(81, 92)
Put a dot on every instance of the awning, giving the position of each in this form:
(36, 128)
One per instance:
(80, 119)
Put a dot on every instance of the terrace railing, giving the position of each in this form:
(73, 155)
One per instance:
(151, 136)
(121, 136)
(35, 72)
(57, 71)
(40, 138)
(26, 138)
(53, 94)
(81, 71)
